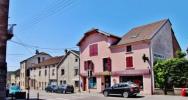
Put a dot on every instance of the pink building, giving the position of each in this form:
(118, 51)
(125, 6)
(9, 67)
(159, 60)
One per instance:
(114, 59)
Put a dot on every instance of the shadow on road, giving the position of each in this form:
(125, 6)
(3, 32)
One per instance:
(128, 97)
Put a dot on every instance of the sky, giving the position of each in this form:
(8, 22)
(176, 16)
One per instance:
(54, 25)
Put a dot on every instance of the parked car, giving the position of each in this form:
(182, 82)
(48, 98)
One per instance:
(125, 89)
(51, 88)
(14, 89)
(65, 89)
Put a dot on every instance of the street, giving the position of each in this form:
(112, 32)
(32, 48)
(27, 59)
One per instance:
(96, 96)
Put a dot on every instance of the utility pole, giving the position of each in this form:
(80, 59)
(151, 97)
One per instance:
(4, 36)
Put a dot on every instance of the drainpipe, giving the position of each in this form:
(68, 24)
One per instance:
(151, 68)
(4, 37)
(79, 89)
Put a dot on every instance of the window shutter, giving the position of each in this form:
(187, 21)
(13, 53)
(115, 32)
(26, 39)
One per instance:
(85, 65)
(109, 64)
(129, 61)
(90, 50)
(96, 49)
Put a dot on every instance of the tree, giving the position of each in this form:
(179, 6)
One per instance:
(171, 71)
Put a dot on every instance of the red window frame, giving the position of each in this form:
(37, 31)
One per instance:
(93, 50)
(129, 61)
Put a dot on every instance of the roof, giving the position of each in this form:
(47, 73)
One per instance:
(40, 53)
(144, 32)
(50, 61)
(97, 31)
(76, 53)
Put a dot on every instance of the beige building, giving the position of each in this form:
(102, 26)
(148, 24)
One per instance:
(44, 73)
(28, 63)
(68, 69)
(14, 77)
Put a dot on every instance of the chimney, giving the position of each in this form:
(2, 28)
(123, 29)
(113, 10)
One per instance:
(66, 51)
(37, 52)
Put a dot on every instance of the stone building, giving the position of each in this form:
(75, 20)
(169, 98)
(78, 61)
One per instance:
(44, 73)
(68, 69)
(28, 63)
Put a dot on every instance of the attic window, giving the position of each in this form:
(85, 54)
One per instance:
(134, 36)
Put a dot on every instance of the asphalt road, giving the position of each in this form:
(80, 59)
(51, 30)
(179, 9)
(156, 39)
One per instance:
(96, 96)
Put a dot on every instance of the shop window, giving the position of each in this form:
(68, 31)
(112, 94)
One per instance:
(106, 64)
(93, 50)
(135, 79)
(129, 61)
(93, 83)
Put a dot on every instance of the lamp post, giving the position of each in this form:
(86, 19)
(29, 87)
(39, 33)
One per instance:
(4, 37)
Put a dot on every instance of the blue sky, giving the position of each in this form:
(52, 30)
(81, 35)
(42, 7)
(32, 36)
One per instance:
(59, 24)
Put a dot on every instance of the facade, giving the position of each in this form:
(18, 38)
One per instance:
(28, 63)
(68, 69)
(113, 59)
(44, 73)
(13, 77)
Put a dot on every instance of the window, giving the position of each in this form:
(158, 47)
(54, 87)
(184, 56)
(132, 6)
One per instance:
(129, 48)
(93, 50)
(76, 83)
(45, 73)
(39, 72)
(53, 72)
(129, 61)
(76, 60)
(106, 64)
(93, 83)
(43, 58)
(64, 82)
(85, 65)
(62, 71)
(75, 72)
(61, 82)
(38, 59)
(88, 65)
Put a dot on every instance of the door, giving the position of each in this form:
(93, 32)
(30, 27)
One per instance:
(107, 81)
(84, 84)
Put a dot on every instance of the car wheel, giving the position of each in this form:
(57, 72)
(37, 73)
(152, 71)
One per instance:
(105, 93)
(125, 94)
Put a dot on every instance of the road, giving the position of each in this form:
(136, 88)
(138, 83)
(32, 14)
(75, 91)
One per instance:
(96, 96)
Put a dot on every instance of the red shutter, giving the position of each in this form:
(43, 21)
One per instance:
(129, 61)
(109, 64)
(95, 49)
(85, 65)
(90, 50)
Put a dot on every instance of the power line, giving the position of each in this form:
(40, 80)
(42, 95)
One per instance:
(58, 8)
(37, 47)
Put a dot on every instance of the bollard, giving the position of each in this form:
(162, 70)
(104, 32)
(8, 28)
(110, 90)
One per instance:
(38, 96)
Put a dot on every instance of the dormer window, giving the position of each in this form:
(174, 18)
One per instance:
(129, 48)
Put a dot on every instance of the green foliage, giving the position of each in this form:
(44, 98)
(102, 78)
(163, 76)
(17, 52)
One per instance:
(180, 54)
(172, 71)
